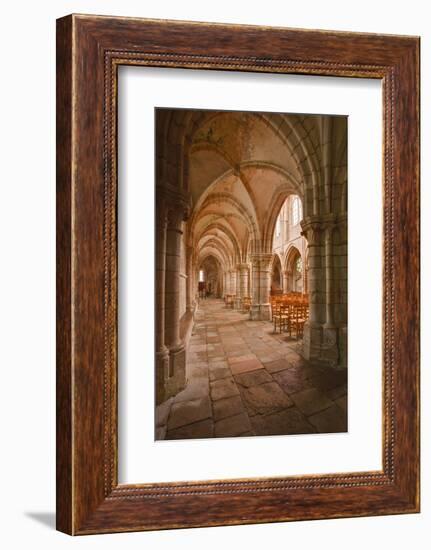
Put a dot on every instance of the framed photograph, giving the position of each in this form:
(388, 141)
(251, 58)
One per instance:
(237, 274)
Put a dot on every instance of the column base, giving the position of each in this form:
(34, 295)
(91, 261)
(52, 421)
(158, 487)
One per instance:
(191, 308)
(342, 345)
(260, 312)
(321, 345)
(162, 374)
(177, 371)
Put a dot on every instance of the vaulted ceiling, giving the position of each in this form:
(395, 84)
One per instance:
(238, 168)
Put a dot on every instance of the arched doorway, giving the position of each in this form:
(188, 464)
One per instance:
(295, 271)
(276, 276)
(209, 278)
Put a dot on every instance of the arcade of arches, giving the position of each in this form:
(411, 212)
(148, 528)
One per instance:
(248, 205)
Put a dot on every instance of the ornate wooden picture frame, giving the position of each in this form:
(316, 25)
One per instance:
(89, 51)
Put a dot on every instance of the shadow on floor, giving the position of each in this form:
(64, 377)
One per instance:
(45, 518)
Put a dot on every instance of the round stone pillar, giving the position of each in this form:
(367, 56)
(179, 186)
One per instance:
(261, 284)
(312, 231)
(242, 283)
(286, 275)
(162, 352)
(190, 295)
(329, 276)
(232, 274)
(177, 374)
(321, 334)
(316, 281)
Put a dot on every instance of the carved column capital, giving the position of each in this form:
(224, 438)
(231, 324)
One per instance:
(312, 228)
(342, 224)
(175, 219)
(329, 228)
(172, 203)
(261, 261)
(161, 212)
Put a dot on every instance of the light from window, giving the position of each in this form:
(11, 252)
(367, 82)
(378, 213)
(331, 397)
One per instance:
(278, 227)
(298, 265)
(201, 276)
(296, 211)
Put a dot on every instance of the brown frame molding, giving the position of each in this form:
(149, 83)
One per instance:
(89, 50)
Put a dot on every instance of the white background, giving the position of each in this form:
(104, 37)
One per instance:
(141, 458)
(27, 123)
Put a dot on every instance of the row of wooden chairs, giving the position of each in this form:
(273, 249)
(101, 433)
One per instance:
(289, 313)
(287, 296)
(230, 300)
(246, 303)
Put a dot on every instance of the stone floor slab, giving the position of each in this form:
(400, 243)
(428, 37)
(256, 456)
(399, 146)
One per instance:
(188, 412)
(246, 366)
(311, 401)
(197, 388)
(239, 358)
(277, 365)
(162, 412)
(265, 398)
(288, 422)
(199, 430)
(194, 371)
(253, 378)
(223, 388)
(330, 420)
(330, 379)
(160, 433)
(342, 402)
(337, 392)
(232, 426)
(230, 406)
(216, 372)
(194, 348)
(290, 382)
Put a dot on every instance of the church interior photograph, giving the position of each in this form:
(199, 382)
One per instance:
(250, 274)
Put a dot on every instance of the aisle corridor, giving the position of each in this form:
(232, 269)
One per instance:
(244, 380)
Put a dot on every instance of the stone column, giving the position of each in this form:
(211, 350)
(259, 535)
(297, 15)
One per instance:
(340, 282)
(312, 230)
(162, 352)
(242, 281)
(177, 374)
(261, 283)
(195, 276)
(238, 288)
(330, 337)
(329, 276)
(286, 274)
(232, 274)
(190, 298)
(321, 340)
(313, 233)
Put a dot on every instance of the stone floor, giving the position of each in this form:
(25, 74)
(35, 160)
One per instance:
(244, 380)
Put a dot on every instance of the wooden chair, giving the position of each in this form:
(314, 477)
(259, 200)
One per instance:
(297, 319)
(280, 316)
(246, 303)
(230, 300)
